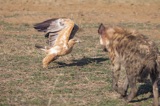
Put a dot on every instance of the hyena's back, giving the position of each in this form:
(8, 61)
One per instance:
(137, 51)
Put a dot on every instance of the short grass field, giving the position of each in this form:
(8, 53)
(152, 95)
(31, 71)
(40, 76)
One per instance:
(82, 78)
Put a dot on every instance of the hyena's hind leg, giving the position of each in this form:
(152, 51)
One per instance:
(154, 79)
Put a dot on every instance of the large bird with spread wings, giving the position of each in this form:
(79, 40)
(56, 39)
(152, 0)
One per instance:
(60, 33)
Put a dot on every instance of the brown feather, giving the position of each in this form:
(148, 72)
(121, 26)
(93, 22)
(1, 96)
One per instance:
(60, 33)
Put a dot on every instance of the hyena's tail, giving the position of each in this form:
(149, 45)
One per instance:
(44, 48)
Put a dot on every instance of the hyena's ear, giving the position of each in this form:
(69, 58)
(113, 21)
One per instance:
(101, 29)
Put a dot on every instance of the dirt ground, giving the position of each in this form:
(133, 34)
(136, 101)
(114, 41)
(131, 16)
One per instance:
(83, 12)
(17, 18)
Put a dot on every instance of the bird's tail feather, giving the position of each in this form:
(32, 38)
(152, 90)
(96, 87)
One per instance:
(44, 48)
(39, 47)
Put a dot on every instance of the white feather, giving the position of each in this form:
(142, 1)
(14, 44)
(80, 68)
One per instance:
(54, 50)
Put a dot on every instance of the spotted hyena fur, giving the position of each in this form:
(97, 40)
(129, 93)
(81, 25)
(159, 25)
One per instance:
(136, 54)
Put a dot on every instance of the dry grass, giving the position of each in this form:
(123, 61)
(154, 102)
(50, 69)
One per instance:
(83, 79)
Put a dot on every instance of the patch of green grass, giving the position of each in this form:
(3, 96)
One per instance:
(109, 103)
(15, 27)
(1, 104)
(13, 15)
(3, 23)
(21, 27)
(89, 25)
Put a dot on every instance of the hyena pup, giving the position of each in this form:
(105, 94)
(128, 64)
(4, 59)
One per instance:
(133, 52)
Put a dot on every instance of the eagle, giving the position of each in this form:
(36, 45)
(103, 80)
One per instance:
(60, 34)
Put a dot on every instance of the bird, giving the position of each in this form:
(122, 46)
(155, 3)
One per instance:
(60, 34)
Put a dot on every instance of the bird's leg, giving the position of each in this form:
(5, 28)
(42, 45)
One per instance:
(49, 58)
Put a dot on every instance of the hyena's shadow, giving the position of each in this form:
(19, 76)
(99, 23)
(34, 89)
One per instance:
(82, 62)
(145, 88)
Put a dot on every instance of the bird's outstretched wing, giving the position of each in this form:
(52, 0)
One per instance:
(58, 30)
(51, 25)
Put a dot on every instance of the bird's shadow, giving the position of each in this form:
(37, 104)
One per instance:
(81, 62)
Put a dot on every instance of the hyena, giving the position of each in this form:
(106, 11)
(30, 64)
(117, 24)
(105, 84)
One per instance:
(133, 52)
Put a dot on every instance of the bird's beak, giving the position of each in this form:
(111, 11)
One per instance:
(78, 41)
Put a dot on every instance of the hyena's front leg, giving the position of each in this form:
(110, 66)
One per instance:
(132, 84)
(125, 86)
(124, 89)
(115, 76)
